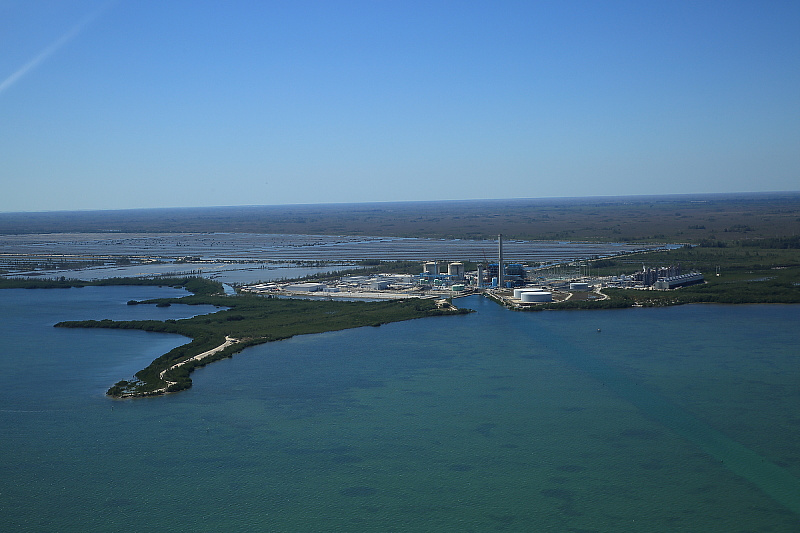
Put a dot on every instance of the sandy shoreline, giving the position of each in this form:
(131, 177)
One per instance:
(229, 341)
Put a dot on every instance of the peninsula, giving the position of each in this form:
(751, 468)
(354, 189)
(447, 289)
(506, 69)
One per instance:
(245, 320)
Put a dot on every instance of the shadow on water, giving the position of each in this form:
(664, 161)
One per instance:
(776, 482)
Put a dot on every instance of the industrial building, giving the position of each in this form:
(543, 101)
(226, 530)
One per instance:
(431, 268)
(379, 284)
(669, 277)
(431, 275)
(456, 270)
(510, 275)
(305, 287)
(683, 280)
(513, 275)
(649, 276)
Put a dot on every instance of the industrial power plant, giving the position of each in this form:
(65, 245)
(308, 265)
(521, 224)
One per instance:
(513, 284)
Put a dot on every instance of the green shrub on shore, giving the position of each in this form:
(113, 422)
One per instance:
(199, 286)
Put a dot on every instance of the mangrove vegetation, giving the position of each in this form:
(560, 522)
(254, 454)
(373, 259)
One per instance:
(248, 319)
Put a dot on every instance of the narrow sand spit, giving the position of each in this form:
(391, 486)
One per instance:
(228, 342)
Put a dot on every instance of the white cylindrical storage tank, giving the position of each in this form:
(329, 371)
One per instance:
(536, 297)
(518, 292)
(579, 286)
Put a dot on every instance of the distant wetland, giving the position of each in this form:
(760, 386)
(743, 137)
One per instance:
(667, 218)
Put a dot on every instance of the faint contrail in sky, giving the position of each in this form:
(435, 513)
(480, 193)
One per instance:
(51, 49)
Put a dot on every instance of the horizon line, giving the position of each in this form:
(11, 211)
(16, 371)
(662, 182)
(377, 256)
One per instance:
(395, 202)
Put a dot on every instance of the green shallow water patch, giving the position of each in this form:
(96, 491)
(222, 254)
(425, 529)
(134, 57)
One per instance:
(479, 429)
(775, 481)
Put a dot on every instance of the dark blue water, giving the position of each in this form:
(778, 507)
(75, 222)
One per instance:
(678, 419)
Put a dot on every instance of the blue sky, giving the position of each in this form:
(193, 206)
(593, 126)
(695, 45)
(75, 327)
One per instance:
(128, 104)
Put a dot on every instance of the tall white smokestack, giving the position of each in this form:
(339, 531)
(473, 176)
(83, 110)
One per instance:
(500, 269)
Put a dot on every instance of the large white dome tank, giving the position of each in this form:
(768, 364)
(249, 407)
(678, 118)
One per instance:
(536, 297)
(518, 292)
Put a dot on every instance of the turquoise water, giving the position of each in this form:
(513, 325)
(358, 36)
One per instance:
(677, 419)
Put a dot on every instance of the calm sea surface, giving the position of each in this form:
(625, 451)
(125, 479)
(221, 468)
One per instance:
(676, 419)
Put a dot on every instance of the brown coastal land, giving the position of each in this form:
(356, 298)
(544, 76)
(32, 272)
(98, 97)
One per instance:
(676, 218)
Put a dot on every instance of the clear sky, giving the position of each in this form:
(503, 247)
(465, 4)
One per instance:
(170, 103)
